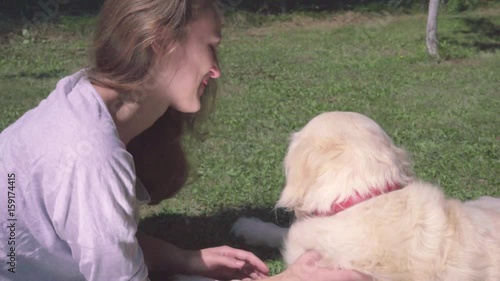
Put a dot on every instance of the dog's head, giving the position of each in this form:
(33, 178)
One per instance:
(338, 155)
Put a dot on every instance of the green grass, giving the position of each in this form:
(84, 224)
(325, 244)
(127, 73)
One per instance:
(279, 75)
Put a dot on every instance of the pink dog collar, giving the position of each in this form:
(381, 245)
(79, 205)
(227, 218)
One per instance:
(351, 201)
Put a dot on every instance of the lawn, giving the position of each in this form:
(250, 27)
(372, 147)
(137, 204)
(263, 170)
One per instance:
(276, 77)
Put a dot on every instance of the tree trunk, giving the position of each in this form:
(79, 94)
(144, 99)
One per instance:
(283, 7)
(432, 42)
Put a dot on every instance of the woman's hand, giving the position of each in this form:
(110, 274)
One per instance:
(227, 263)
(306, 268)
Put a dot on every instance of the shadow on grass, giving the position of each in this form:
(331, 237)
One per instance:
(209, 231)
(53, 73)
(198, 232)
(485, 30)
(481, 34)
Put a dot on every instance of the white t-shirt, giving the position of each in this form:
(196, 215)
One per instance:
(74, 203)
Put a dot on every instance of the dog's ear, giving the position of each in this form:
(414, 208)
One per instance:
(304, 164)
(405, 172)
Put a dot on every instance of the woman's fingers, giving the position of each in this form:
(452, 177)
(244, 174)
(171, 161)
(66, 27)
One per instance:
(307, 268)
(250, 258)
(249, 270)
(311, 257)
(226, 261)
(229, 262)
(245, 257)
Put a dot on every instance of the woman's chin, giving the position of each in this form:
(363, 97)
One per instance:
(201, 90)
(191, 107)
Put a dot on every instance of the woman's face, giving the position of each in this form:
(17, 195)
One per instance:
(186, 73)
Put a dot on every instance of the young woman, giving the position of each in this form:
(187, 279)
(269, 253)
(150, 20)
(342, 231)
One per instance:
(105, 141)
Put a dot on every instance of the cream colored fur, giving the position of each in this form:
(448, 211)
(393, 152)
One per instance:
(413, 234)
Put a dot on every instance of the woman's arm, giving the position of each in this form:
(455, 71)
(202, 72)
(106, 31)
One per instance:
(162, 256)
(226, 262)
(220, 262)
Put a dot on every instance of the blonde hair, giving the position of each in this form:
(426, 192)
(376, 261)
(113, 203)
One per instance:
(123, 59)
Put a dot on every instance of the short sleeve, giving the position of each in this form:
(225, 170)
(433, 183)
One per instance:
(90, 197)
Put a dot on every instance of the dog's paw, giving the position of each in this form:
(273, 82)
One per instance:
(256, 232)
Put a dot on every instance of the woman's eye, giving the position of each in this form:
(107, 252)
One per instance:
(213, 49)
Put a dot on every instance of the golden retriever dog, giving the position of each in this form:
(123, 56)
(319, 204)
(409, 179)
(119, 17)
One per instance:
(359, 205)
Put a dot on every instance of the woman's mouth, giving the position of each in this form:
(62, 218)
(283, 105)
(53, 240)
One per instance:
(203, 86)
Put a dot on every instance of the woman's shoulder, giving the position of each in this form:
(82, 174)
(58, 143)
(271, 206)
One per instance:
(71, 120)
(76, 106)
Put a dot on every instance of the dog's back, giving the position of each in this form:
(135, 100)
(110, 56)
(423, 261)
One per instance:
(478, 243)
(410, 234)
